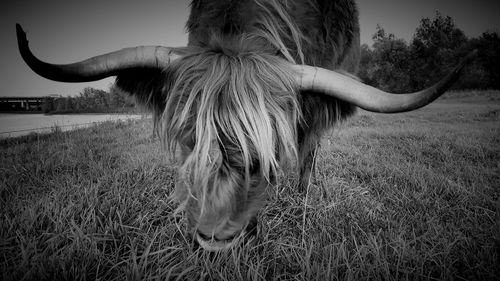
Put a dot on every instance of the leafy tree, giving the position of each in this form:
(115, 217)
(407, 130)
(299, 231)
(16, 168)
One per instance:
(439, 34)
(390, 57)
(100, 100)
(386, 66)
(436, 48)
(380, 35)
(87, 99)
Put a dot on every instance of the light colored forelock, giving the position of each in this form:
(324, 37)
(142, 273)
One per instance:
(248, 99)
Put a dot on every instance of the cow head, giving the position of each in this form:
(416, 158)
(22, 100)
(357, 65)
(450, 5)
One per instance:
(232, 111)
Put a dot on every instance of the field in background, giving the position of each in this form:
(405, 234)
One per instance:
(404, 196)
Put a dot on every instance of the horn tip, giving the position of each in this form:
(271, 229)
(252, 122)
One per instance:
(19, 29)
(21, 35)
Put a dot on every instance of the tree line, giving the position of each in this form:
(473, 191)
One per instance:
(437, 46)
(91, 100)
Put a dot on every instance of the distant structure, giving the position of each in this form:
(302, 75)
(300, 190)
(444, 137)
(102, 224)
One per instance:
(22, 104)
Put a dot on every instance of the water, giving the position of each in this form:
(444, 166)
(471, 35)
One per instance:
(12, 125)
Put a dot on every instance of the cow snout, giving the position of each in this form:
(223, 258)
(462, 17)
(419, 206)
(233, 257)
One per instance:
(246, 236)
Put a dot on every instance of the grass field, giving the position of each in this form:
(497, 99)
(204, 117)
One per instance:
(407, 196)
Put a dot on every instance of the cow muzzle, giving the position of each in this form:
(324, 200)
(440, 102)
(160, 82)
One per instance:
(211, 244)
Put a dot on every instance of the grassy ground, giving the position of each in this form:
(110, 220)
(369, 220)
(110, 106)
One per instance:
(406, 196)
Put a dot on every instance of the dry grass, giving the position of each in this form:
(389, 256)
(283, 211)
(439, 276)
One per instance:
(406, 196)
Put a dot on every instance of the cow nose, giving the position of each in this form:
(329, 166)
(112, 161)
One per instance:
(213, 244)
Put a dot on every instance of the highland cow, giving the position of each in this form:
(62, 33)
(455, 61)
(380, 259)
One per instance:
(256, 87)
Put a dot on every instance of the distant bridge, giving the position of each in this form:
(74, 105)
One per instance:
(20, 104)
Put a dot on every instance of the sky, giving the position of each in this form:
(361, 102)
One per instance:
(64, 31)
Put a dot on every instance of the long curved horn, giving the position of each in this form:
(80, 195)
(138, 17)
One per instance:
(334, 84)
(98, 67)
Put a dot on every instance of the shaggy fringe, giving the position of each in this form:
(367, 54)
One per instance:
(233, 106)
